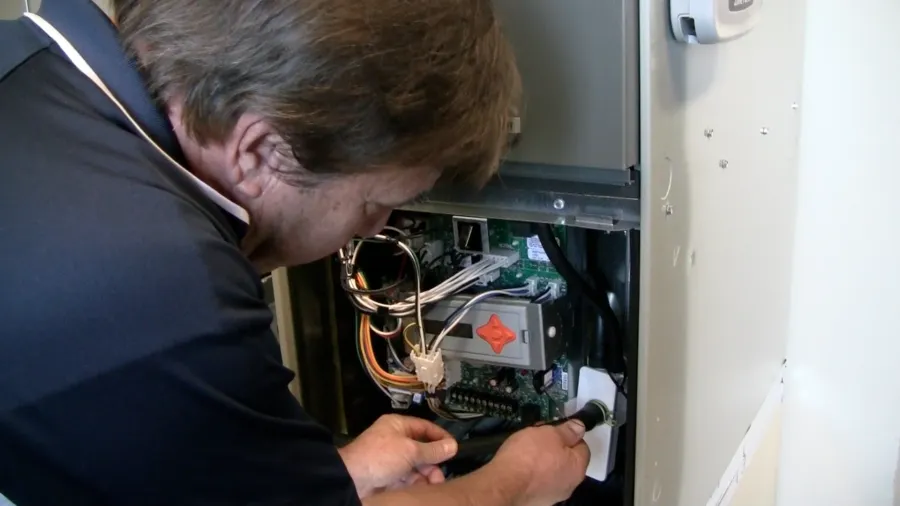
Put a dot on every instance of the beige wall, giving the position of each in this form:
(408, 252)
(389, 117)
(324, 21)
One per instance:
(758, 484)
(842, 393)
(11, 9)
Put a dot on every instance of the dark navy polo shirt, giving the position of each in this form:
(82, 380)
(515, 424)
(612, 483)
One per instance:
(137, 364)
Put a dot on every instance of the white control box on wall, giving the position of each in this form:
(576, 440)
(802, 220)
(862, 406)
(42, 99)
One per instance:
(713, 21)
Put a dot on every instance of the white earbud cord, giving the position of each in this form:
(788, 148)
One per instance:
(79, 62)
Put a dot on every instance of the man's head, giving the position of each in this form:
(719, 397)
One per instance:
(321, 116)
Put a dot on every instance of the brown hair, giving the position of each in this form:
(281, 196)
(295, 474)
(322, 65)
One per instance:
(349, 84)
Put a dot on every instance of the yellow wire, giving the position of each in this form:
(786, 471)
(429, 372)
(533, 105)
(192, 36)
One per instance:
(406, 336)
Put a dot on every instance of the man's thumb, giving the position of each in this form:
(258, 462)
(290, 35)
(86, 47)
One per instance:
(436, 452)
(572, 432)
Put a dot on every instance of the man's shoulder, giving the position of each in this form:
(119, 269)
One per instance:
(108, 252)
(59, 129)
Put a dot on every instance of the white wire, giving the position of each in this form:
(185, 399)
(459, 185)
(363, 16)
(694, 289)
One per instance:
(406, 307)
(385, 333)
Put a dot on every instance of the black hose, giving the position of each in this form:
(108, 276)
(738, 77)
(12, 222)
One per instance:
(569, 273)
(579, 286)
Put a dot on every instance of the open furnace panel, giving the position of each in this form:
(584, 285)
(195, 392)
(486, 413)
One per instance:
(522, 284)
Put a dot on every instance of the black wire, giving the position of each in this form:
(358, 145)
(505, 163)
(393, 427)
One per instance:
(577, 284)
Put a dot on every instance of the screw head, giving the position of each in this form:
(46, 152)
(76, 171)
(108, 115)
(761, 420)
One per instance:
(764, 130)
(559, 204)
(668, 209)
(551, 332)
(795, 106)
(723, 163)
(708, 133)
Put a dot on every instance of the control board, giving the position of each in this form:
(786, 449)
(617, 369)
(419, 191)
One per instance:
(518, 395)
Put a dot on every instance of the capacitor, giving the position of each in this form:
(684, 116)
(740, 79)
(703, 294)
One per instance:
(543, 380)
(504, 378)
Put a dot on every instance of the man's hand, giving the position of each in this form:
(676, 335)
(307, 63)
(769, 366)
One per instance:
(536, 467)
(549, 462)
(397, 451)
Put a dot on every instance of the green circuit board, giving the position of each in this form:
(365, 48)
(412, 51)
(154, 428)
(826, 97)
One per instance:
(506, 235)
(515, 396)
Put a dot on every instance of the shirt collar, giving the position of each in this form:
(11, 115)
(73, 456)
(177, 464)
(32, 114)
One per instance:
(91, 32)
(96, 38)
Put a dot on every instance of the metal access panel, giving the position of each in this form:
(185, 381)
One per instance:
(579, 65)
(531, 333)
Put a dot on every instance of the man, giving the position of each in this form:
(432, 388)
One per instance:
(136, 361)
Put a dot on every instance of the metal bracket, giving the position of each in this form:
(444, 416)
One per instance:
(582, 205)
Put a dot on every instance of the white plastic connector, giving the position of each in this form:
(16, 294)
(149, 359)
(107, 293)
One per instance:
(532, 284)
(431, 251)
(453, 372)
(400, 399)
(488, 278)
(429, 367)
(506, 257)
(555, 289)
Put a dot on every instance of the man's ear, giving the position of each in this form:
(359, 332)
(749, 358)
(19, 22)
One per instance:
(252, 152)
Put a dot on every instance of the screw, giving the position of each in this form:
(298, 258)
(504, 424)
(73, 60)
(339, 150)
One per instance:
(668, 209)
(764, 130)
(559, 204)
(708, 133)
(795, 106)
(551, 332)
(723, 163)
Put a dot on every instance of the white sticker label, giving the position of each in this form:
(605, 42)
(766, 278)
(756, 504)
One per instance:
(535, 250)
(548, 379)
(565, 381)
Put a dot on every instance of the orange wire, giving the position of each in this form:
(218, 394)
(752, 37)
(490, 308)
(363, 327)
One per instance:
(365, 337)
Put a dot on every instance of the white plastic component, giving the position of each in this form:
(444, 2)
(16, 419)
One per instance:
(488, 278)
(432, 250)
(400, 399)
(506, 257)
(532, 284)
(453, 372)
(429, 367)
(595, 384)
(713, 21)
(555, 290)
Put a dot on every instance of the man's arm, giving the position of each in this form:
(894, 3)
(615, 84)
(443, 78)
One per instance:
(159, 382)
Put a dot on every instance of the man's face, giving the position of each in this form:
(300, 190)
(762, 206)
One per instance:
(300, 225)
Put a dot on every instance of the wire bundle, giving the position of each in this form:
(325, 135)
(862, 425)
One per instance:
(383, 379)
(376, 301)
(364, 299)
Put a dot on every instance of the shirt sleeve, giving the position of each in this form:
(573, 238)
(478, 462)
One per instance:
(160, 382)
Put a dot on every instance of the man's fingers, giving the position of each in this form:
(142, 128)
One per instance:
(423, 430)
(571, 432)
(433, 474)
(435, 452)
(414, 479)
